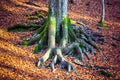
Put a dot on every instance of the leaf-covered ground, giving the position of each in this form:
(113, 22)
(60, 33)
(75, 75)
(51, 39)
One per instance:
(17, 62)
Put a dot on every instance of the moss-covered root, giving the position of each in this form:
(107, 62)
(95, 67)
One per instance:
(64, 64)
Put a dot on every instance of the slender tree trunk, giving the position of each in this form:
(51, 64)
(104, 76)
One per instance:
(103, 11)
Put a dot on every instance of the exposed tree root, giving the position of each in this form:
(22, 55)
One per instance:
(44, 57)
(64, 64)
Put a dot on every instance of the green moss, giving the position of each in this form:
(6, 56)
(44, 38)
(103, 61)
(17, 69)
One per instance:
(52, 21)
(18, 25)
(25, 43)
(28, 15)
(22, 27)
(72, 22)
(43, 27)
(18, 28)
(36, 49)
(40, 15)
(39, 47)
(32, 25)
(105, 73)
(35, 15)
(52, 25)
(66, 20)
(102, 24)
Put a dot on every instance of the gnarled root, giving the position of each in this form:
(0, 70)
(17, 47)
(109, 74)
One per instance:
(63, 62)
(81, 54)
(44, 57)
(53, 63)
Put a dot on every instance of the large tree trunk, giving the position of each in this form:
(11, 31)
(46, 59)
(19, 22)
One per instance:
(58, 10)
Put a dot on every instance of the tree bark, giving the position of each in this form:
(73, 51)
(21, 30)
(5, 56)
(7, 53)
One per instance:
(58, 11)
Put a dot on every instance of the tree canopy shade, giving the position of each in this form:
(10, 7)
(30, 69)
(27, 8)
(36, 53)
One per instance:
(55, 35)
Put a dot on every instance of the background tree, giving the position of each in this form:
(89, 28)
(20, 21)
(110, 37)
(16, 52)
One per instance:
(103, 11)
(102, 14)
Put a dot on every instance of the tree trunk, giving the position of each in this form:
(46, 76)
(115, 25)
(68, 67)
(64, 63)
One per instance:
(103, 11)
(101, 23)
(58, 10)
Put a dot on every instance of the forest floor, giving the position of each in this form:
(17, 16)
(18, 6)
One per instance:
(17, 62)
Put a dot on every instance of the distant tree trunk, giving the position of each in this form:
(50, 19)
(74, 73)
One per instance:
(101, 23)
(103, 11)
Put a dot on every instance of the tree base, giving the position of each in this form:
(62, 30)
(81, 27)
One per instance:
(78, 38)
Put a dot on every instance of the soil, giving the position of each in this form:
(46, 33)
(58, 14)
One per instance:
(17, 62)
